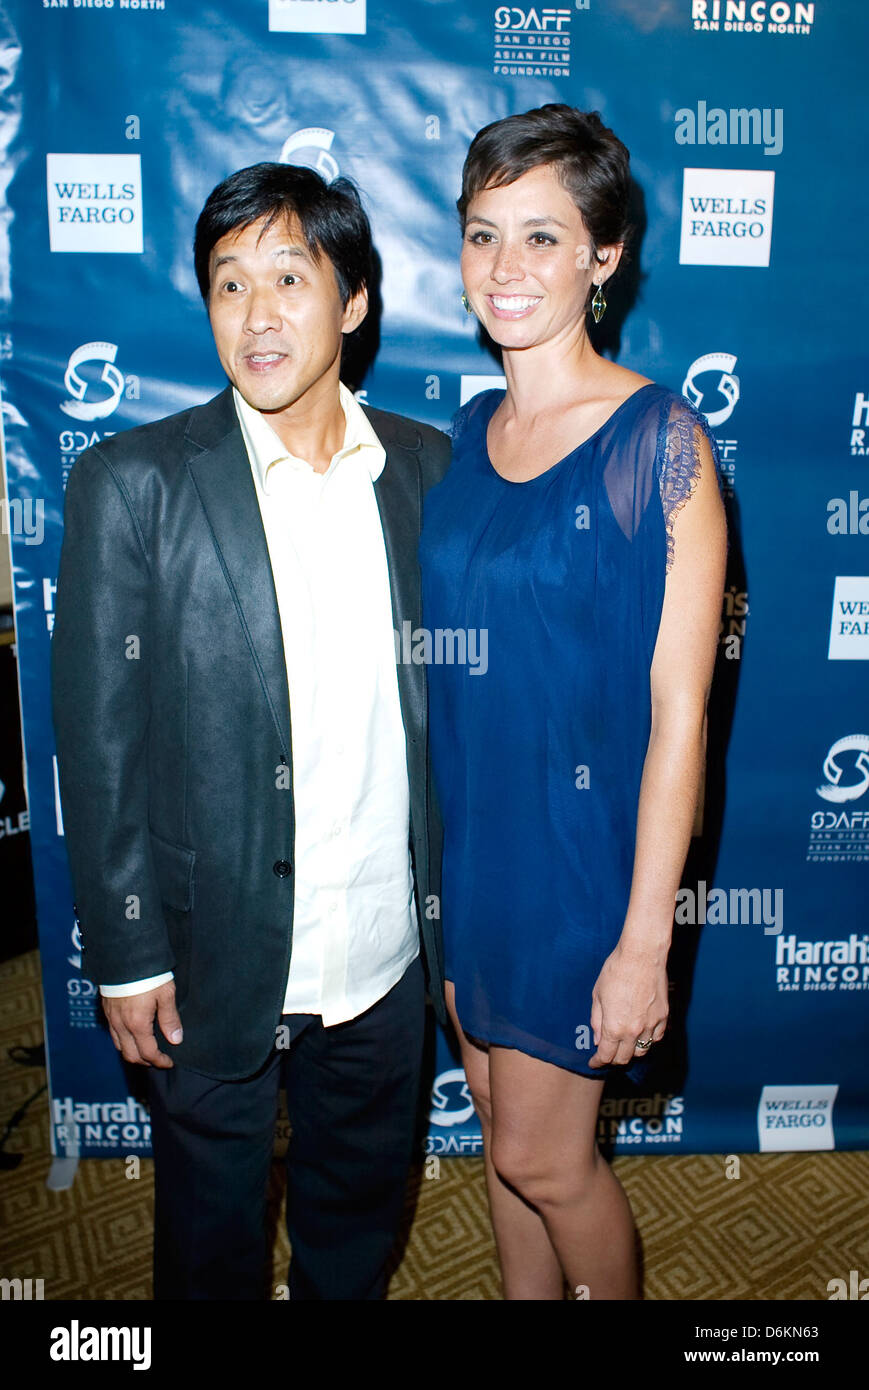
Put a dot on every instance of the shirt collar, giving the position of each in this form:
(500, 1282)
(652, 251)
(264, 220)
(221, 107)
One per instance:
(265, 448)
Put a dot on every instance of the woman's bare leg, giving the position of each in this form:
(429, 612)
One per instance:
(544, 1146)
(529, 1265)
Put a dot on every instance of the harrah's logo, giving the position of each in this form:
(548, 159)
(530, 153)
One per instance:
(859, 423)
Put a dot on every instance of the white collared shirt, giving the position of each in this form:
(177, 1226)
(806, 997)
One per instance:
(354, 920)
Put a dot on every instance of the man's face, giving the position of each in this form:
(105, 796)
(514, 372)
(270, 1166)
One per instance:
(277, 317)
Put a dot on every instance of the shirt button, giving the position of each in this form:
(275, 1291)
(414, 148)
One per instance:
(333, 907)
(282, 868)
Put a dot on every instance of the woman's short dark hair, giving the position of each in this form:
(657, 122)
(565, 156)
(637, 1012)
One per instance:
(331, 216)
(591, 162)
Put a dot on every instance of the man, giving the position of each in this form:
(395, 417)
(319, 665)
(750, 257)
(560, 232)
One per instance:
(244, 776)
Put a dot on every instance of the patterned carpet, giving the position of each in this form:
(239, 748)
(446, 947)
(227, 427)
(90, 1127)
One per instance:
(788, 1225)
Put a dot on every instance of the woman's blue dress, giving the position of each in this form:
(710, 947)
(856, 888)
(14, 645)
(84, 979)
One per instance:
(541, 604)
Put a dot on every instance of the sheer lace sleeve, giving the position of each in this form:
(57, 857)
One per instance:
(681, 461)
(465, 414)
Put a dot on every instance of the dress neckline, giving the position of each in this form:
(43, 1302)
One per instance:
(524, 482)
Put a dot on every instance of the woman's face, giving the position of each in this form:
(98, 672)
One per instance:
(526, 260)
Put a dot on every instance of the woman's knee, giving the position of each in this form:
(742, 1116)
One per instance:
(539, 1173)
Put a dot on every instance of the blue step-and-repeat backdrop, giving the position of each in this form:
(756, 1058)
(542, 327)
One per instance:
(747, 126)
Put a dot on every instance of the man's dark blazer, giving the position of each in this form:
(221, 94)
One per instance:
(172, 717)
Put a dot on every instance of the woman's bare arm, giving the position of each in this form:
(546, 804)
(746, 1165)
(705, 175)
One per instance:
(630, 996)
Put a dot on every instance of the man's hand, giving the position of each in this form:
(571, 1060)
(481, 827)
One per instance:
(131, 1024)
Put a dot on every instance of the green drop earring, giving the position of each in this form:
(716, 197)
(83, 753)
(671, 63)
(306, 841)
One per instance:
(598, 304)
(467, 303)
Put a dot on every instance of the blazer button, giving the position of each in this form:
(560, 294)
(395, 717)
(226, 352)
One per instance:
(282, 868)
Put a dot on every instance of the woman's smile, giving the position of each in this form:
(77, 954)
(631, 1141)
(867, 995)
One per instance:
(513, 306)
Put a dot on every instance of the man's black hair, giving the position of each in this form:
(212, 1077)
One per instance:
(331, 217)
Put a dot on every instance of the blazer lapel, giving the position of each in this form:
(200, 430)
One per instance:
(221, 475)
(398, 492)
(220, 471)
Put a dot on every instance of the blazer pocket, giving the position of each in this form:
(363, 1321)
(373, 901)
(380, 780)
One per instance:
(173, 868)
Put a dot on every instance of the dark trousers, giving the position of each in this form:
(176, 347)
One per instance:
(352, 1095)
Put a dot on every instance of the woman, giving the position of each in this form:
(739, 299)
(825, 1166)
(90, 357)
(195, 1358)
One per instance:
(581, 528)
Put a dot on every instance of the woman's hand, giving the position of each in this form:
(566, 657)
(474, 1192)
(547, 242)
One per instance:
(629, 1001)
